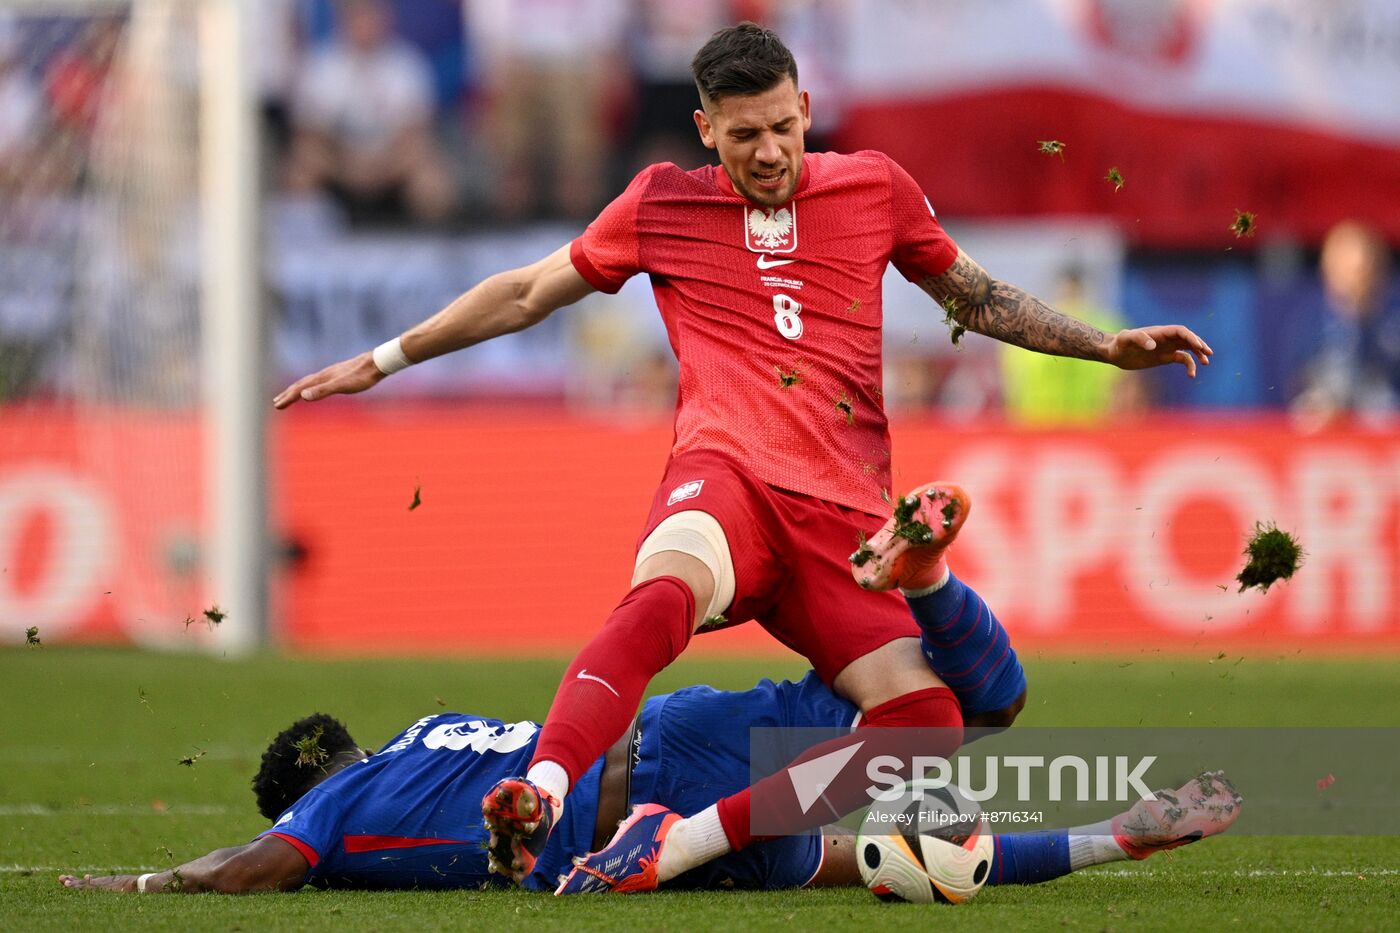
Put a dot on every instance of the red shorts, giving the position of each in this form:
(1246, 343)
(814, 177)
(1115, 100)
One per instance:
(791, 557)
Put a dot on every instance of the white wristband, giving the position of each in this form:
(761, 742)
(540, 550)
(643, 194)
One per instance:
(390, 358)
(141, 881)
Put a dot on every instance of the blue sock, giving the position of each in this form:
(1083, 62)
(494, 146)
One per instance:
(967, 647)
(1030, 858)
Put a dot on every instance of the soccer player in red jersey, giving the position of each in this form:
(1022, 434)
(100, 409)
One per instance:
(767, 272)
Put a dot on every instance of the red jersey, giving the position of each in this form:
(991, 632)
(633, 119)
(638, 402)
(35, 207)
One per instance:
(775, 314)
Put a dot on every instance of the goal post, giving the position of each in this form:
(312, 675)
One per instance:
(234, 331)
(135, 309)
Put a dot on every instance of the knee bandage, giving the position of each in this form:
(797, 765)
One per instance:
(700, 535)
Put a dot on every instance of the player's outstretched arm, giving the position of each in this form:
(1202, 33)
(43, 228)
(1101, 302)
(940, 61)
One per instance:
(265, 864)
(1012, 315)
(504, 303)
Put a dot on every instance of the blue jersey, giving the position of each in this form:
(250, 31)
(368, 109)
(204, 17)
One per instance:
(695, 749)
(410, 815)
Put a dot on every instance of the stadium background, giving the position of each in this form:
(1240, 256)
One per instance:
(1116, 526)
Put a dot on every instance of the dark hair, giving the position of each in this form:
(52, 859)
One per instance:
(282, 781)
(742, 59)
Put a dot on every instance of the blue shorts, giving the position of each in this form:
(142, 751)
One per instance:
(695, 749)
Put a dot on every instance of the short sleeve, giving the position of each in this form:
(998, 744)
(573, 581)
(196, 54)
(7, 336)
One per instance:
(311, 826)
(921, 246)
(608, 252)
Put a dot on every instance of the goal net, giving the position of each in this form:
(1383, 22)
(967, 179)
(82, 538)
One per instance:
(108, 503)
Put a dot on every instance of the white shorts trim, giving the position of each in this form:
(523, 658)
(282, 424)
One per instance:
(700, 535)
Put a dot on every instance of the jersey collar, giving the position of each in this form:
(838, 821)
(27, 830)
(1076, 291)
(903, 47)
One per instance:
(723, 182)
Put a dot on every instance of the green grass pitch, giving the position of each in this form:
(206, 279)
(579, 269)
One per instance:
(90, 743)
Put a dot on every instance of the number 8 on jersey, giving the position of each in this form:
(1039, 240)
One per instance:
(785, 316)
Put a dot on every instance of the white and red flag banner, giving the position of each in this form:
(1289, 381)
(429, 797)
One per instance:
(1287, 108)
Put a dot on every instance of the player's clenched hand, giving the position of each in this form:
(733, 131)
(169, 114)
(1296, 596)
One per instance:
(1159, 345)
(101, 883)
(343, 378)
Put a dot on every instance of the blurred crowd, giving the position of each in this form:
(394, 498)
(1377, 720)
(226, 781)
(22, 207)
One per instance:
(1356, 368)
(456, 112)
(453, 115)
(471, 111)
(51, 84)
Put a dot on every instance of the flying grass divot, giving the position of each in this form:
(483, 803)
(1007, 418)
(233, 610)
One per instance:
(310, 754)
(31, 637)
(210, 617)
(905, 526)
(864, 553)
(788, 379)
(1273, 555)
(950, 317)
(845, 407)
(1244, 224)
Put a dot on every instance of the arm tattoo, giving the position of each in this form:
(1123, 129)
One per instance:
(1010, 314)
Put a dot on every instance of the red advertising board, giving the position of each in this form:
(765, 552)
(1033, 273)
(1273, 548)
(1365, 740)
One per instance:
(1100, 540)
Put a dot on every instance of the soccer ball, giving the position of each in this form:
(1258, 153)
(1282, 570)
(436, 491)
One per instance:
(924, 842)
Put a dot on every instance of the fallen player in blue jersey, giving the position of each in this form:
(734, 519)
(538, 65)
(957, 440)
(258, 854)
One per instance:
(408, 816)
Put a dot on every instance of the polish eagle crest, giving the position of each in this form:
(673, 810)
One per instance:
(771, 229)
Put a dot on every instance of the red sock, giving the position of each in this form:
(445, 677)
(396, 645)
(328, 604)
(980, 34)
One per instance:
(600, 691)
(933, 714)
